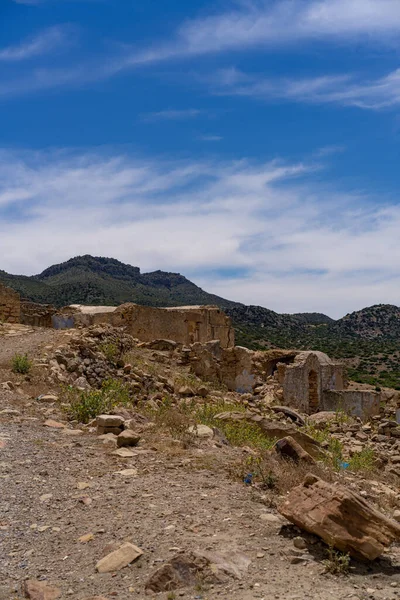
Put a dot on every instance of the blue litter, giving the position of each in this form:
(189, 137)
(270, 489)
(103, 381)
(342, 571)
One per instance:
(344, 465)
(248, 480)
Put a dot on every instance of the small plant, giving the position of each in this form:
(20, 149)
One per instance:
(110, 351)
(260, 470)
(21, 364)
(84, 406)
(337, 563)
(171, 596)
(362, 461)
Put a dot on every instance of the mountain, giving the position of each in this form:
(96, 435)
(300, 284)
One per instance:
(107, 281)
(368, 340)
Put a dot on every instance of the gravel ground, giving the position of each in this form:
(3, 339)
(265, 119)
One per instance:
(56, 487)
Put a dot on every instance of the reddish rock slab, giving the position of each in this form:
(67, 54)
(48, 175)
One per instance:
(340, 517)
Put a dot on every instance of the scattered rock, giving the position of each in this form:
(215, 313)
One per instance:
(48, 398)
(40, 590)
(340, 517)
(128, 438)
(289, 448)
(270, 518)
(272, 429)
(201, 431)
(54, 424)
(183, 570)
(123, 453)
(128, 472)
(117, 560)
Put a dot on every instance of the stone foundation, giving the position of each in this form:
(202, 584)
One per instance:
(10, 306)
(37, 315)
(357, 403)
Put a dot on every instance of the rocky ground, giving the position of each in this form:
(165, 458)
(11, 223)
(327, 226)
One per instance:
(67, 500)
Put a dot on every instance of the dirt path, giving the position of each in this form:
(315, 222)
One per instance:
(167, 507)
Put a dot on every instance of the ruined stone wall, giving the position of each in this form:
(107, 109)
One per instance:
(240, 369)
(10, 305)
(37, 315)
(357, 403)
(299, 382)
(186, 325)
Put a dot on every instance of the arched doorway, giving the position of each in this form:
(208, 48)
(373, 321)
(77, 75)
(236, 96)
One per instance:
(313, 396)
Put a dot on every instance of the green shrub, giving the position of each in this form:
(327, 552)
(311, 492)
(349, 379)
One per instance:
(363, 461)
(84, 406)
(21, 364)
(337, 563)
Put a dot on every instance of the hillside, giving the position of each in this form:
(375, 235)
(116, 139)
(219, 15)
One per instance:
(98, 280)
(368, 340)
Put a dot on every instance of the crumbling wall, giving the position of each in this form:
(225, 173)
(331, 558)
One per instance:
(305, 380)
(357, 403)
(10, 305)
(186, 325)
(240, 369)
(38, 315)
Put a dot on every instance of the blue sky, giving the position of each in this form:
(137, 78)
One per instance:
(252, 145)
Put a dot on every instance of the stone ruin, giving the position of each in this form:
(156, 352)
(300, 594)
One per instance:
(305, 380)
(10, 305)
(13, 309)
(182, 324)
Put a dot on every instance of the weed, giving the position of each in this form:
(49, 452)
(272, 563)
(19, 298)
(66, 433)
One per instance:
(237, 432)
(337, 562)
(171, 596)
(84, 406)
(363, 460)
(260, 470)
(21, 364)
(110, 351)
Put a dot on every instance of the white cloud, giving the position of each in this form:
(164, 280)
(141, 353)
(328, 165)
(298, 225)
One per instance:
(291, 21)
(345, 90)
(271, 24)
(299, 246)
(43, 43)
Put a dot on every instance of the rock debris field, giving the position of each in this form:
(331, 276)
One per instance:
(85, 516)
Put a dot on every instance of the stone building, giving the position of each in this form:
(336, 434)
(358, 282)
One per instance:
(10, 305)
(305, 380)
(314, 382)
(184, 324)
(307, 377)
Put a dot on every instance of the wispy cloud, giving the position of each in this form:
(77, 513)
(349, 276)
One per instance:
(261, 22)
(211, 138)
(301, 245)
(346, 90)
(253, 24)
(43, 43)
(171, 115)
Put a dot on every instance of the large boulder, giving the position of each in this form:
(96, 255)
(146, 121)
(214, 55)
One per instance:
(340, 517)
(274, 429)
(288, 448)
